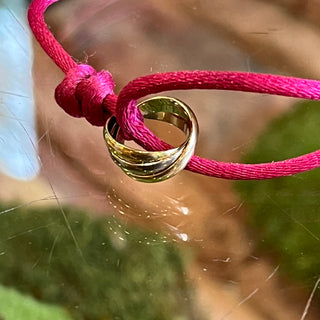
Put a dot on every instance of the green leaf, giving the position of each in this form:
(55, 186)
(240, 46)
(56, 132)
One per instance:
(16, 306)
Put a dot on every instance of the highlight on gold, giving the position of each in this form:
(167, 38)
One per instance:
(155, 166)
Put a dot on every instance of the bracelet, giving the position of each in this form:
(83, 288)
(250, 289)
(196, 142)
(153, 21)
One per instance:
(87, 93)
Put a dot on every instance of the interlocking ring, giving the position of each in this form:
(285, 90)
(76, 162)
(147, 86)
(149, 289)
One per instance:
(155, 166)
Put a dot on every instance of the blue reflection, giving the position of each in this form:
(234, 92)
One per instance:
(18, 140)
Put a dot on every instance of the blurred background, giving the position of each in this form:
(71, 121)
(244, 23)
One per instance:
(86, 238)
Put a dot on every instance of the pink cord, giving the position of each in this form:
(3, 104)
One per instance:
(87, 93)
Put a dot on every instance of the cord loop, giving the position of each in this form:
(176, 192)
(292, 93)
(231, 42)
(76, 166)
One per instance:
(87, 93)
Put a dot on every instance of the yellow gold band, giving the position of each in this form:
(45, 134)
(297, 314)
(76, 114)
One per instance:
(155, 166)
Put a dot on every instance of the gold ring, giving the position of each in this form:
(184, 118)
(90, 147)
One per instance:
(155, 166)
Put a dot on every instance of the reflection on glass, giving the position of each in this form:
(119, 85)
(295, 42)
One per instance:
(18, 145)
(93, 244)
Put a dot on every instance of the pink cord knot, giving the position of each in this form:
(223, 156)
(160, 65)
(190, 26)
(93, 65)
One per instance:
(84, 92)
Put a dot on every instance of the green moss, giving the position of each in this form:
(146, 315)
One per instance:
(15, 306)
(286, 211)
(118, 272)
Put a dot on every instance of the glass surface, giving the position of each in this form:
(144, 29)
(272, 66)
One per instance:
(87, 239)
